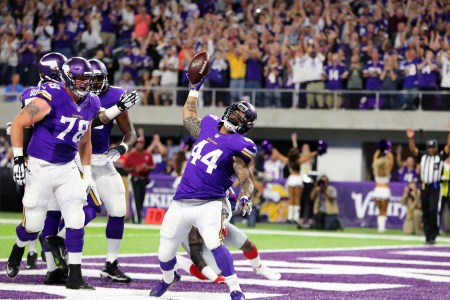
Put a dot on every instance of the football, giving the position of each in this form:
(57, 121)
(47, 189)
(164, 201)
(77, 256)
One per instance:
(198, 67)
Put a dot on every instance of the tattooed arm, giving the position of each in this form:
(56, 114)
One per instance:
(244, 174)
(190, 117)
(34, 112)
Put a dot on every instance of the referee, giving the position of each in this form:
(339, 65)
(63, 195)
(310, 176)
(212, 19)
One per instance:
(431, 164)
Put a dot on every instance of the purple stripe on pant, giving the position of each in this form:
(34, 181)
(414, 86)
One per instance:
(25, 236)
(167, 266)
(224, 260)
(115, 228)
(74, 240)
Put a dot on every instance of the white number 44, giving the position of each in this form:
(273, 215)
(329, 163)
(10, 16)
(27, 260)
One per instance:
(208, 159)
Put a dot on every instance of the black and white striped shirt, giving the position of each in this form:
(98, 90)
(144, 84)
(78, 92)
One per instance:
(431, 167)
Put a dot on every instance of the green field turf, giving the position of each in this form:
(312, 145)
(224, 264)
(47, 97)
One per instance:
(266, 236)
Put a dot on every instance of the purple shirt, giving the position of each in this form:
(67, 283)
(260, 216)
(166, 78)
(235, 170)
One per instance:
(254, 70)
(218, 71)
(411, 74)
(107, 25)
(27, 57)
(427, 77)
(373, 82)
(406, 175)
(55, 138)
(274, 81)
(209, 170)
(100, 135)
(334, 74)
(74, 27)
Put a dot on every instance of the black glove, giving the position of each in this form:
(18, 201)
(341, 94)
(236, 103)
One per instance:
(115, 153)
(19, 169)
(127, 100)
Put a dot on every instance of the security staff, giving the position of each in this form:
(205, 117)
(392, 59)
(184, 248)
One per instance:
(431, 164)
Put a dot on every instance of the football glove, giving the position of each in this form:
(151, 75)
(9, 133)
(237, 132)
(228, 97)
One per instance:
(128, 100)
(115, 153)
(19, 170)
(246, 205)
(198, 85)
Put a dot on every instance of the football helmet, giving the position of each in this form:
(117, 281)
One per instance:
(100, 81)
(234, 122)
(49, 67)
(77, 76)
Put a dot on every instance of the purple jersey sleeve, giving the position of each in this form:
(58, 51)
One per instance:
(55, 138)
(29, 94)
(101, 134)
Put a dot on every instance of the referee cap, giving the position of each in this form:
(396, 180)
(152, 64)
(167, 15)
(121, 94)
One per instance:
(432, 144)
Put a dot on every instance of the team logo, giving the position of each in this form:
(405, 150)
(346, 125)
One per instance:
(51, 64)
(195, 63)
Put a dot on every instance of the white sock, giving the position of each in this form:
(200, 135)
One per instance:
(168, 276)
(113, 249)
(51, 266)
(62, 233)
(232, 282)
(184, 263)
(255, 262)
(296, 213)
(290, 215)
(381, 223)
(209, 273)
(20, 243)
(74, 258)
(32, 246)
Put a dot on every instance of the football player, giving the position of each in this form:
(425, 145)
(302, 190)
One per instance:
(107, 180)
(61, 115)
(203, 265)
(220, 151)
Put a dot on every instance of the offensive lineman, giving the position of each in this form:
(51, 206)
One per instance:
(220, 151)
(61, 115)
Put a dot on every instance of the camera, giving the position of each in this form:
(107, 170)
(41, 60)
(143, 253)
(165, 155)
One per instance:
(320, 182)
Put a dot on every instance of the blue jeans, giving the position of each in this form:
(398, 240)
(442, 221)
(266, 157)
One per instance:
(237, 86)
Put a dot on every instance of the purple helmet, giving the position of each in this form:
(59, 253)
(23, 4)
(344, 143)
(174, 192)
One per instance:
(100, 84)
(77, 75)
(49, 67)
(266, 147)
(385, 146)
(322, 147)
(246, 123)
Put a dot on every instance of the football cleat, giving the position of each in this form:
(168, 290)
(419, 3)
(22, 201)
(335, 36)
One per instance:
(55, 244)
(161, 287)
(219, 279)
(113, 271)
(55, 277)
(237, 295)
(75, 280)
(267, 272)
(14, 260)
(31, 261)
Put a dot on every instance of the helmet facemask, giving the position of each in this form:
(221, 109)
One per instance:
(82, 85)
(99, 83)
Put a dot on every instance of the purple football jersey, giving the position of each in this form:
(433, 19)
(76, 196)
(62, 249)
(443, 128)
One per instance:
(55, 138)
(29, 94)
(101, 134)
(209, 170)
(334, 73)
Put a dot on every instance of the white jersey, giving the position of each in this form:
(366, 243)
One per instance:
(445, 71)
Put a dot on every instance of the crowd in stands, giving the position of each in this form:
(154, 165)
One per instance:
(276, 45)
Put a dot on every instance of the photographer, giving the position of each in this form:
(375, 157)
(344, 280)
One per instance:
(326, 210)
(413, 220)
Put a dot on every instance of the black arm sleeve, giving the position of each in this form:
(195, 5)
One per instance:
(27, 133)
(197, 255)
(96, 121)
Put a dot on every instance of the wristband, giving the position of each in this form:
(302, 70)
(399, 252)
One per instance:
(112, 112)
(87, 171)
(125, 146)
(18, 151)
(193, 93)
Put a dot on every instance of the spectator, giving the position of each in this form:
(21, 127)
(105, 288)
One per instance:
(355, 81)
(61, 42)
(14, 88)
(335, 75)
(143, 63)
(128, 61)
(406, 169)
(141, 23)
(90, 41)
(326, 210)
(75, 26)
(372, 72)
(28, 59)
(389, 77)
(9, 57)
(139, 163)
(169, 78)
(159, 154)
(314, 78)
(151, 95)
(413, 219)
(109, 22)
(127, 82)
(445, 75)
(297, 66)
(237, 57)
(253, 74)
(44, 33)
(428, 77)
(126, 25)
(273, 78)
(410, 80)
(218, 78)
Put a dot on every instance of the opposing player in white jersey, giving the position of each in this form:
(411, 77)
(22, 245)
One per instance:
(107, 180)
(61, 115)
(221, 150)
(202, 263)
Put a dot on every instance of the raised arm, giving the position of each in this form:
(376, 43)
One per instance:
(280, 156)
(411, 143)
(190, 115)
(306, 157)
